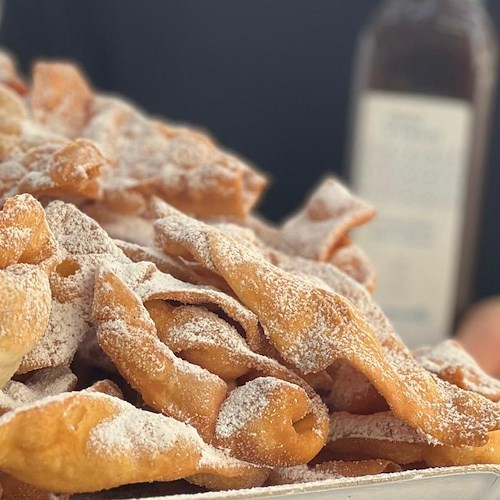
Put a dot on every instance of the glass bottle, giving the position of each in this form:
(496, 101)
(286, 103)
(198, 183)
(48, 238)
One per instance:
(424, 87)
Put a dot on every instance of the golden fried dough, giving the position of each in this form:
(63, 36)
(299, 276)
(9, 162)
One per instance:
(60, 97)
(127, 444)
(450, 362)
(270, 422)
(383, 436)
(128, 336)
(311, 327)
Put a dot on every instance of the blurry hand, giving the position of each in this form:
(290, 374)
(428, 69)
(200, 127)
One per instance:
(479, 333)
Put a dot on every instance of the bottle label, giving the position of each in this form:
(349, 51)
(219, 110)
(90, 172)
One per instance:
(410, 159)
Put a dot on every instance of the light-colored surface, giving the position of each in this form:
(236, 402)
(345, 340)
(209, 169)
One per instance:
(479, 482)
(410, 161)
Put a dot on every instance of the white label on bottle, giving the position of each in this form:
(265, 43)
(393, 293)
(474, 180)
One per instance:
(410, 159)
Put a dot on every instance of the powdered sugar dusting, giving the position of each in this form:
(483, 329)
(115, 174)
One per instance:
(449, 360)
(245, 404)
(86, 246)
(135, 432)
(42, 384)
(312, 338)
(180, 165)
(302, 474)
(329, 214)
(148, 283)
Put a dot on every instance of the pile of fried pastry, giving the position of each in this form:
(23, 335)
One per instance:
(153, 328)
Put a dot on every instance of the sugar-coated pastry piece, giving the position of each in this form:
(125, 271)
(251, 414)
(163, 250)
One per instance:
(148, 283)
(351, 259)
(312, 327)
(318, 232)
(26, 252)
(41, 384)
(84, 246)
(61, 170)
(198, 335)
(57, 443)
(270, 422)
(167, 383)
(168, 264)
(24, 233)
(13, 488)
(329, 470)
(180, 165)
(330, 213)
(450, 362)
(351, 390)
(60, 97)
(384, 436)
(205, 339)
(25, 307)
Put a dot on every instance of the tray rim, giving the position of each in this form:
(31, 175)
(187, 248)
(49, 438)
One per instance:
(338, 484)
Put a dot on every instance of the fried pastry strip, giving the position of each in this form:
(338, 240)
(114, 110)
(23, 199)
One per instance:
(61, 170)
(270, 422)
(318, 230)
(182, 166)
(25, 236)
(169, 384)
(148, 283)
(312, 327)
(84, 246)
(26, 250)
(55, 445)
(450, 362)
(384, 436)
(60, 98)
(203, 338)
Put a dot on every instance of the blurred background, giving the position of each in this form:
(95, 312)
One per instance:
(271, 80)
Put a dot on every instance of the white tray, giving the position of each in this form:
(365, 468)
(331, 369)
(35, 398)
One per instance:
(480, 482)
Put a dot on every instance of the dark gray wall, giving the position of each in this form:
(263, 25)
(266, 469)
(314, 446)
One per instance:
(269, 78)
